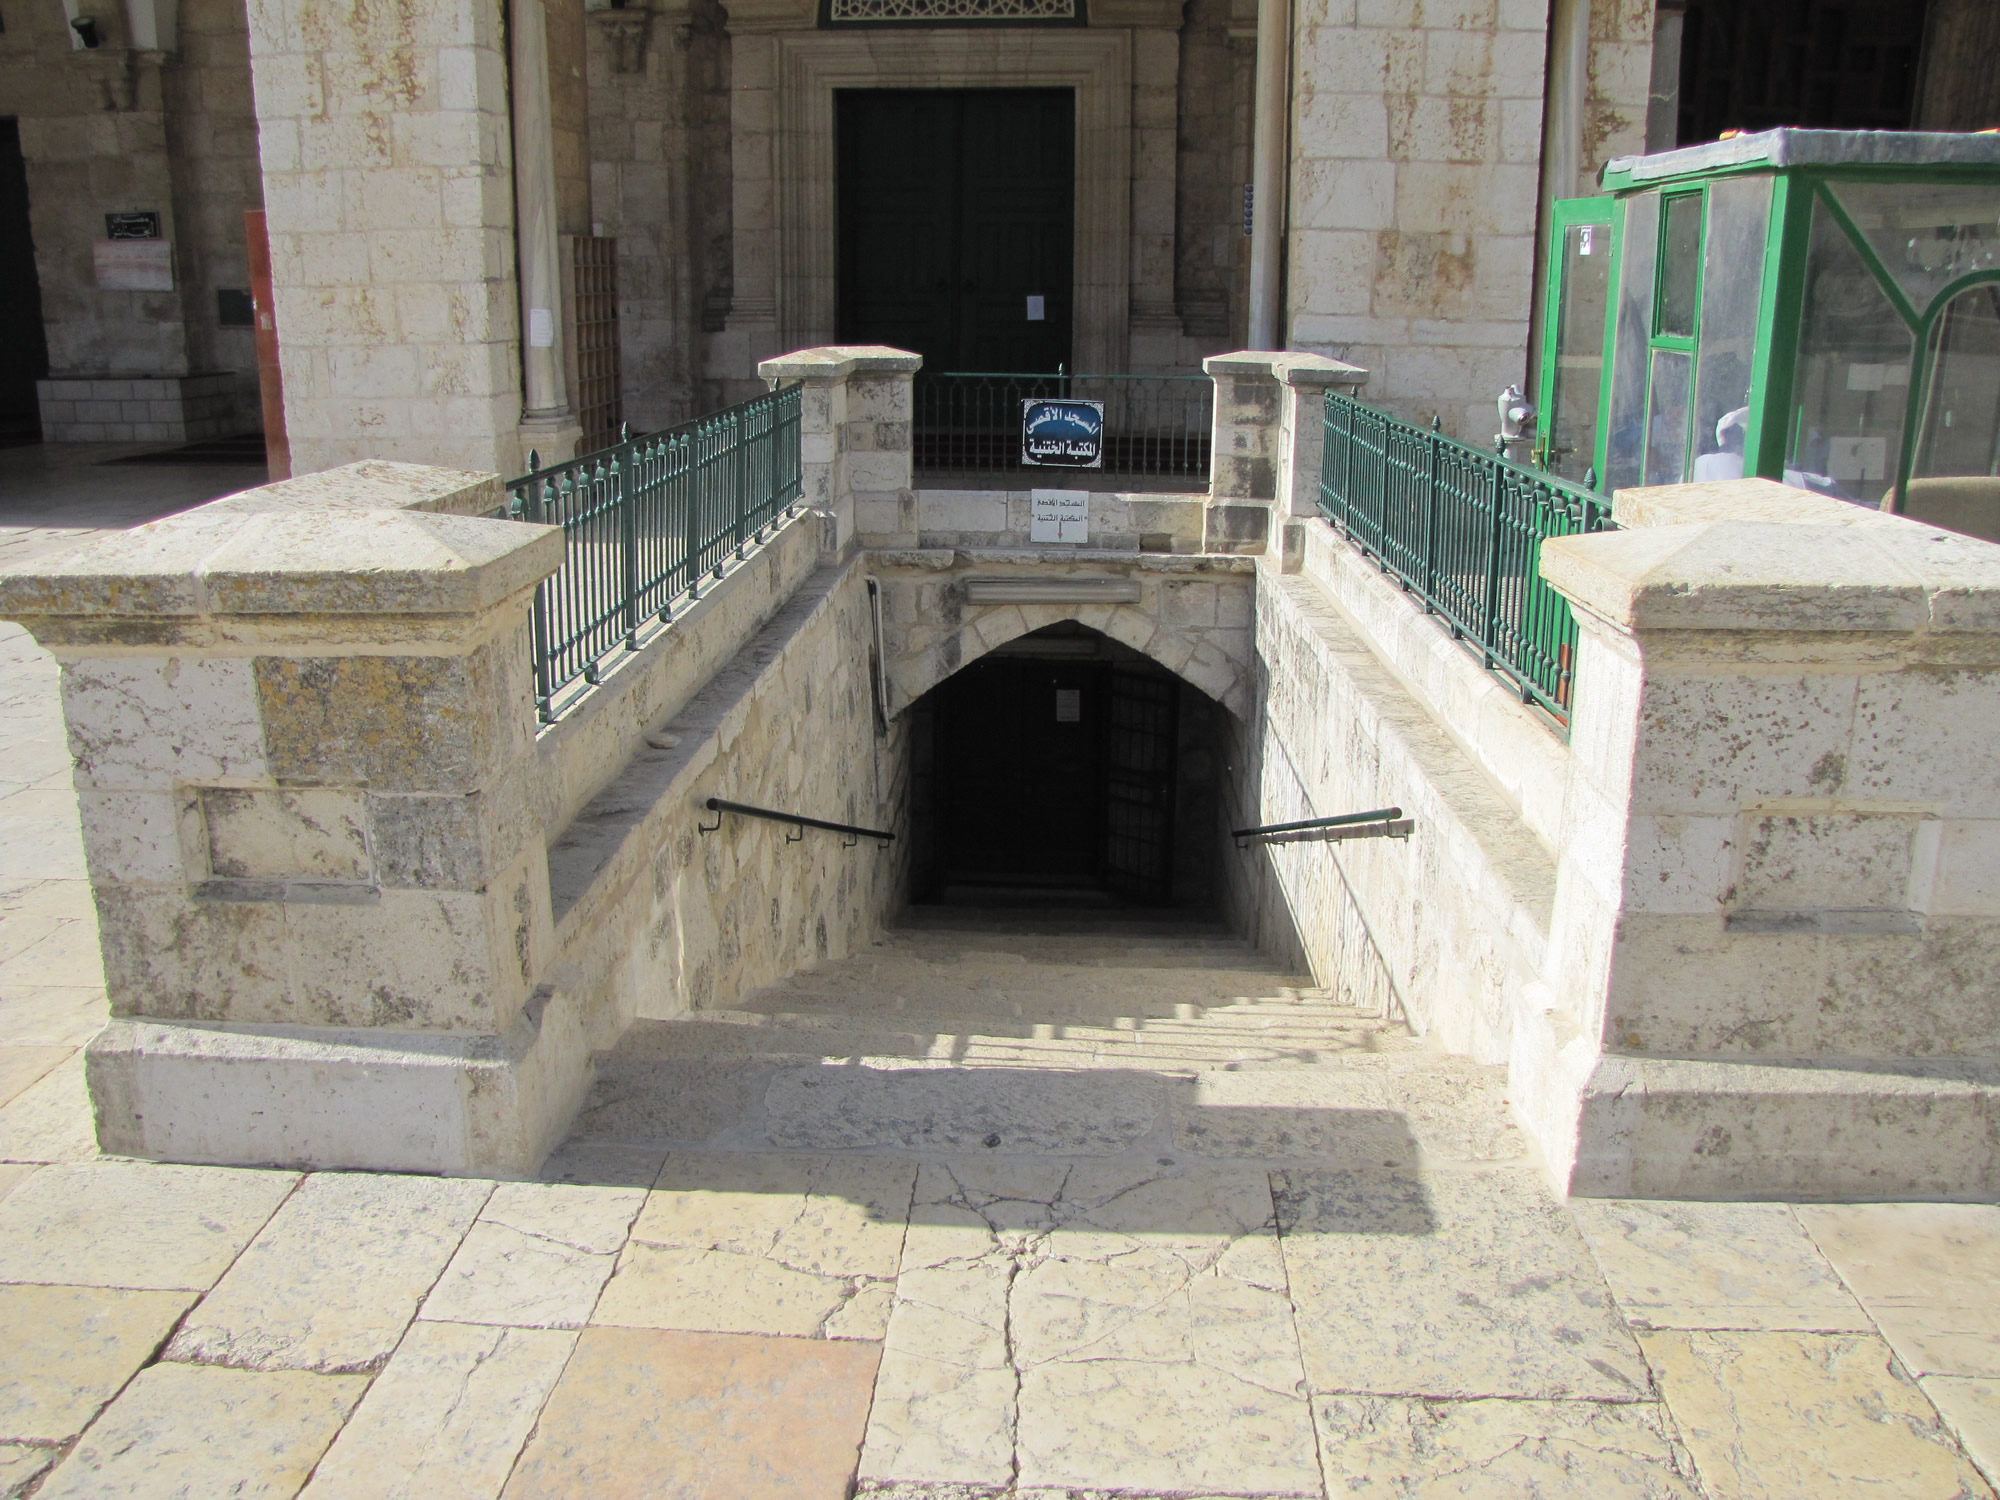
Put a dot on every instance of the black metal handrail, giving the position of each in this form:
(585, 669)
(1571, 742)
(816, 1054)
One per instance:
(1379, 815)
(855, 832)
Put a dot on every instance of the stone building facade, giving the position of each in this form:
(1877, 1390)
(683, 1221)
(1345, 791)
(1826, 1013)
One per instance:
(435, 175)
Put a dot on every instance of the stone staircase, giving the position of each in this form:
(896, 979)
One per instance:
(1027, 1033)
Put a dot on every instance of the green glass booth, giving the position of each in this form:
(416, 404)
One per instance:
(1816, 306)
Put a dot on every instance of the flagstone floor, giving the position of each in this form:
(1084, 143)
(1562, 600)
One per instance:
(1215, 1309)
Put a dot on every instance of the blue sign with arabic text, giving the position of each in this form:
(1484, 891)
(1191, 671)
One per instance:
(1062, 434)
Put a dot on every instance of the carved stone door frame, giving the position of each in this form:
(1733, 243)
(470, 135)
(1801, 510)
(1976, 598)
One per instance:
(785, 165)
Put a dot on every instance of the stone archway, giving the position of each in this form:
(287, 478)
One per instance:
(1191, 615)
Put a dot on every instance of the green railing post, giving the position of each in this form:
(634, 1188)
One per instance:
(628, 545)
(1489, 611)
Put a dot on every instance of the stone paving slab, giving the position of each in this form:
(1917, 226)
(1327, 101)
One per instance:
(50, 1120)
(21, 1465)
(1929, 1275)
(332, 1281)
(186, 1430)
(1551, 1450)
(642, 1412)
(71, 1349)
(1716, 1265)
(1971, 1409)
(537, 1257)
(1805, 1415)
(447, 1417)
(128, 1224)
(1449, 1284)
(21, 1067)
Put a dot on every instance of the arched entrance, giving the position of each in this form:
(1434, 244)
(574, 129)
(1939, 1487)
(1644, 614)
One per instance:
(1063, 767)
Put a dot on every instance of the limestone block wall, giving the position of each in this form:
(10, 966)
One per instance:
(1449, 927)
(389, 200)
(118, 130)
(1130, 521)
(1416, 138)
(655, 917)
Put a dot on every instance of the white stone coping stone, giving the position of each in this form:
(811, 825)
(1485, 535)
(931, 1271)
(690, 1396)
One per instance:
(374, 484)
(1738, 500)
(1776, 576)
(1286, 367)
(833, 362)
(240, 559)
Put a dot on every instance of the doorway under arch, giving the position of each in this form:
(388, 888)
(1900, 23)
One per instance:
(1066, 768)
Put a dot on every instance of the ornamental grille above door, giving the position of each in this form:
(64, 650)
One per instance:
(836, 14)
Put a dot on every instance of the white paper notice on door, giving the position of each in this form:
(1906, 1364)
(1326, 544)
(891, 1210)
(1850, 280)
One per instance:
(1059, 516)
(1038, 309)
(1069, 705)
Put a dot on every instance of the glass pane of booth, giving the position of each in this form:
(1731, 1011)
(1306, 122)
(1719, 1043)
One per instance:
(1953, 482)
(1625, 441)
(1667, 424)
(1928, 233)
(1680, 268)
(1739, 212)
(1578, 388)
(1851, 381)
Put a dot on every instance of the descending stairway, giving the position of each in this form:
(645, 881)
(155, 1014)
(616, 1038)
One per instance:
(1028, 1033)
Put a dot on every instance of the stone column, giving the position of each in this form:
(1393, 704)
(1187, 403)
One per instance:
(1265, 446)
(855, 441)
(1771, 952)
(1268, 165)
(548, 424)
(388, 193)
(302, 721)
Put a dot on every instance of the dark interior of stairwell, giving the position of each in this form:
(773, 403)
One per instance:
(1067, 773)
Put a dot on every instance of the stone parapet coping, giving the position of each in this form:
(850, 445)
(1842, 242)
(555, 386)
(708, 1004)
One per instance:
(1285, 367)
(942, 558)
(332, 544)
(838, 361)
(1738, 500)
(1716, 571)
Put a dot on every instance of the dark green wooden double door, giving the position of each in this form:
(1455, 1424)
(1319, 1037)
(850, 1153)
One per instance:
(956, 209)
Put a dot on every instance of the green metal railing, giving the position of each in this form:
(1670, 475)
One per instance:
(968, 424)
(644, 522)
(1461, 528)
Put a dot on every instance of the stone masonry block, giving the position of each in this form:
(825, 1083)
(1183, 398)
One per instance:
(310, 834)
(394, 723)
(147, 722)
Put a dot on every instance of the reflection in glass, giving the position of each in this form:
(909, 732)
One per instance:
(1680, 273)
(1954, 481)
(1852, 378)
(1928, 233)
(1577, 388)
(1739, 212)
(1626, 439)
(1666, 436)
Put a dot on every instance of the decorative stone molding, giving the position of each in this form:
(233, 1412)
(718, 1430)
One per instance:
(786, 175)
(625, 31)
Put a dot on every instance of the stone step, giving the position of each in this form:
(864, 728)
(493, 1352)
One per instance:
(1107, 1008)
(1169, 1047)
(1371, 1111)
